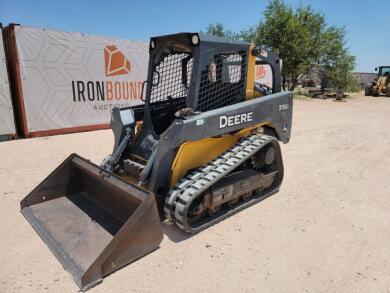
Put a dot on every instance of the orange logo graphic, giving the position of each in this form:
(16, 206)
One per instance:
(115, 62)
(260, 72)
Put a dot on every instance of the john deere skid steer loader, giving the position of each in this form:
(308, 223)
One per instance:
(202, 147)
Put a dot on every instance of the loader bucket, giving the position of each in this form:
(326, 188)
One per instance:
(93, 223)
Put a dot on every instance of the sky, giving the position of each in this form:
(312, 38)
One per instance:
(366, 22)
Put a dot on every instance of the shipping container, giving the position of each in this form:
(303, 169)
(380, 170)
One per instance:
(7, 121)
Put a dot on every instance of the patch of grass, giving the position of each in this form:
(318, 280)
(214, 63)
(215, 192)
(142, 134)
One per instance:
(354, 95)
(301, 94)
(301, 97)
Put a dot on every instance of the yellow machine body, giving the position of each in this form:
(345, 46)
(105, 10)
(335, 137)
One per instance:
(193, 154)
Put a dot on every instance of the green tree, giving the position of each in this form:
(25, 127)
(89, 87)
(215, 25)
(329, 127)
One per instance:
(218, 29)
(335, 61)
(302, 38)
(293, 34)
(340, 73)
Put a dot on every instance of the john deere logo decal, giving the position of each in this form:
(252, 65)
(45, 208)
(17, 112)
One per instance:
(233, 120)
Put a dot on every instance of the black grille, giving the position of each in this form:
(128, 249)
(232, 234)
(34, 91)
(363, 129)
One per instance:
(169, 78)
(222, 81)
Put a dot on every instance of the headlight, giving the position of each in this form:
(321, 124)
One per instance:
(127, 117)
(195, 40)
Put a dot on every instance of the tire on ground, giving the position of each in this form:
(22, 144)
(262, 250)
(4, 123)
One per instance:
(367, 91)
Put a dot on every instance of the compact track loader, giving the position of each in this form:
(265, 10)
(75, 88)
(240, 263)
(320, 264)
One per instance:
(203, 146)
(381, 85)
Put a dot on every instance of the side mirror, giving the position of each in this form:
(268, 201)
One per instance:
(376, 68)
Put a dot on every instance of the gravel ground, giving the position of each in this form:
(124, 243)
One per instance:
(327, 230)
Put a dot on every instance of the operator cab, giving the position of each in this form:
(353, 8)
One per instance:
(383, 71)
(190, 73)
(195, 72)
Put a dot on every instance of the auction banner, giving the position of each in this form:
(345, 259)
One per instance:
(7, 122)
(71, 81)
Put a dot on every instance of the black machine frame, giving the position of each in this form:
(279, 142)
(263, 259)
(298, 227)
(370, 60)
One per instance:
(156, 149)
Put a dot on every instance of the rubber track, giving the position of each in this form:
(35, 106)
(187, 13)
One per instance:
(194, 184)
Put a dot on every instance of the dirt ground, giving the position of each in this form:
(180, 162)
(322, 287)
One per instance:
(327, 230)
